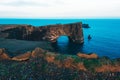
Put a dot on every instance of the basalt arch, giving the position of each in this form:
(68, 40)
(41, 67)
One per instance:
(73, 31)
(44, 33)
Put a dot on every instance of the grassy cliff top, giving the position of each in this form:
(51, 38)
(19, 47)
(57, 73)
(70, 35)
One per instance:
(40, 64)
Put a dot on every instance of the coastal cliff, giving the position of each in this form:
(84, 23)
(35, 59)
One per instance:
(43, 33)
(43, 63)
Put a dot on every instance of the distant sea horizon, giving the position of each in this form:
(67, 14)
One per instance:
(105, 34)
(49, 21)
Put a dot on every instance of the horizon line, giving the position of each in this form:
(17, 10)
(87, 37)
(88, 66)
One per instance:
(59, 18)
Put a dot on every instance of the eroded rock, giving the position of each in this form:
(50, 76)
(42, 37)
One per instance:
(22, 57)
(37, 52)
(46, 33)
(3, 55)
(88, 56)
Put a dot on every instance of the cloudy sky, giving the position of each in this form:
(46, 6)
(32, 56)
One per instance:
(59, 8)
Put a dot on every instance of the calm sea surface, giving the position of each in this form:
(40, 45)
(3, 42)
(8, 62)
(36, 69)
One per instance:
(105, 35)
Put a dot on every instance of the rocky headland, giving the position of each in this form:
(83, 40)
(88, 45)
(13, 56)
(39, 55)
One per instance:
(43, 33)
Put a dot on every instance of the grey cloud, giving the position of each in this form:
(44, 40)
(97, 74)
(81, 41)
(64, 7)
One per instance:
(24, 3)
(33, 3)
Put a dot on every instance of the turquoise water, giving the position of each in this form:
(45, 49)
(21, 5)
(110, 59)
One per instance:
(105, 35)
(37, 22)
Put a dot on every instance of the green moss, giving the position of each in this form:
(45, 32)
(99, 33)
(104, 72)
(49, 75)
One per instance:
(91, 64)
(3, 70)
(39, 67)
(77, 59)
(61, 57)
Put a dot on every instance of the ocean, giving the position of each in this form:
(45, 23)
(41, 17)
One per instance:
(105, 35)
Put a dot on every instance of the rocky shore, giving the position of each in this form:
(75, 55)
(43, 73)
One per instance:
(41, 64)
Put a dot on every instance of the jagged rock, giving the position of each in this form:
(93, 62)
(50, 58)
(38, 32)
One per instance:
(46, 33)
(26, 56)
(22, 57)
(85, 26)
(3, 55)
(88, 56)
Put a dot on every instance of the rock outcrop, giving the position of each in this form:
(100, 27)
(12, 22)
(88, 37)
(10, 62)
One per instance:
(85, 26)
(3, 55)
(22, 57)
(38, 52)
(108, 68)
(46, 33)
(88, 56)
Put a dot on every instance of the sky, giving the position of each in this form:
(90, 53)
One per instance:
(59, 8)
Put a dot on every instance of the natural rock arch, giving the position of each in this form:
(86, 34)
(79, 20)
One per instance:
(47, 33)
(64, 38)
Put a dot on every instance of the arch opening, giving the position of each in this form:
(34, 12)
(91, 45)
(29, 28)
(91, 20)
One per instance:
(65, 45)
(62, 44)
(63, 39)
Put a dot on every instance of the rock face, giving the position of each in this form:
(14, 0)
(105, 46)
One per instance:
(46, 33)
